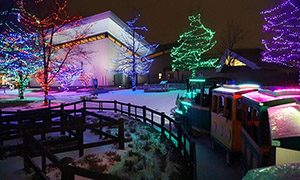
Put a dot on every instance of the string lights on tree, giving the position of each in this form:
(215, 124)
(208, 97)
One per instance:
(188, 55)
(68, 74)
(20, 57)
(48, 23)
(133, 59)
(282, 29)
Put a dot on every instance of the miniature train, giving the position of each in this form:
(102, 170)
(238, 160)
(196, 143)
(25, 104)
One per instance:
(244, 119)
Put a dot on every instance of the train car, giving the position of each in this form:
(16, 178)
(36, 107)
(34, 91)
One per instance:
(194, 105)
(225, 122)
(270, 127)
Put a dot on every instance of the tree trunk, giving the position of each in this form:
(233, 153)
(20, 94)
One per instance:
(133, 81)
(193, 73)
(21, 92)
(46, 91)
(21, 86)
(46, 88)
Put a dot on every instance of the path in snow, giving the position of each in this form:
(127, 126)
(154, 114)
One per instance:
(159, 101)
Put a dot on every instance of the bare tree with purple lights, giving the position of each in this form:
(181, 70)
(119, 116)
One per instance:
(133, 59)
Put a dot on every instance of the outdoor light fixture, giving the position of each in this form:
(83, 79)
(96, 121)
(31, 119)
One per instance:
(197, 80)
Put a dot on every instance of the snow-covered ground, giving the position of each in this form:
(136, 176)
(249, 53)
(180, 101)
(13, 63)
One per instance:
(159, 101)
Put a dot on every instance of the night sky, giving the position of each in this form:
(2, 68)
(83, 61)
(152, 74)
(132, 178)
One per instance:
(166, 19)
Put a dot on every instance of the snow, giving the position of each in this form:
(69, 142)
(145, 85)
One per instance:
(284, 121)
(11, 168)
(159, 101)
(262, 98)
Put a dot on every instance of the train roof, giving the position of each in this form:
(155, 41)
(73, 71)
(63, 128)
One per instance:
(259, 97)
(273, 96)
(236, 89)
(284, 121)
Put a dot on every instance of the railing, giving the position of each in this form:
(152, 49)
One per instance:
(251, 153)
(170, 128)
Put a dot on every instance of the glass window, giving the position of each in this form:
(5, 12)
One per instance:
(160, 75)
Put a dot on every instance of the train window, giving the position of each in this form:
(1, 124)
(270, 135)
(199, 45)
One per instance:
(248, 113)
(214, 103)
(221, 104)
(228, 108)
(239, 109)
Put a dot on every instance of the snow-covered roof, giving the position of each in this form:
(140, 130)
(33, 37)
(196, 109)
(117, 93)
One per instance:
(106, 22)
(259, 97)
(284, 121)
(236, 89)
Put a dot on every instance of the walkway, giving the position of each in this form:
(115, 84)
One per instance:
(211, 163)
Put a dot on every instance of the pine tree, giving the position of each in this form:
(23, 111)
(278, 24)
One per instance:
(133, 60)
(282, 29)
(188, 55)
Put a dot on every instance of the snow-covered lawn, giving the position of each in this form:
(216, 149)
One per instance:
(159, 101)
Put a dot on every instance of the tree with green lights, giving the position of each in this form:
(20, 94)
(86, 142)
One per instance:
(20, 57)
(188, 55)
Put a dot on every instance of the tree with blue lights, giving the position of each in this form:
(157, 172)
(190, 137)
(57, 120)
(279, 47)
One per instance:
(67, 75)
(20, 57)
(133, 58)
(188, 55)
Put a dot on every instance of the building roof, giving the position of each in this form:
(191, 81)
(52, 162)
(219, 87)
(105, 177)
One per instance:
(252, 58)
(106, 22)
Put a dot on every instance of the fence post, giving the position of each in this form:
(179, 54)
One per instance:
(84, 103)
(193, 159)
(179, 133)
(115, 106)
(25, 151)
(144, 114)
(62, 118)
(1, 142)
(121, 134)
(129, 110)
(162, 123)
(80, 140)
(66, 175)
(18, 117)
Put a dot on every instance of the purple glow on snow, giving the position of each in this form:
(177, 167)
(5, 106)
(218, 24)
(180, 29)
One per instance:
(284, 121)
(261, 97)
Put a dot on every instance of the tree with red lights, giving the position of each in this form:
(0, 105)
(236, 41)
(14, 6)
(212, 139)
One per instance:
(133, 59)
(49, 24)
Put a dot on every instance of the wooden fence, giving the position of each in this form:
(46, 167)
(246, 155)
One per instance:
(77, 111)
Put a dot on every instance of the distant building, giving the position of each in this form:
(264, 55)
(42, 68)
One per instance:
(245, 65)
(240, 65)
(102, 40)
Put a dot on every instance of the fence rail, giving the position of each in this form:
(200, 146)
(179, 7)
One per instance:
(170, 128)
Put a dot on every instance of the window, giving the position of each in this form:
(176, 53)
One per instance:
(228, 108)
(221, 103)
(214, 103)
(160, 75)
(170, 75)
(230, 61)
